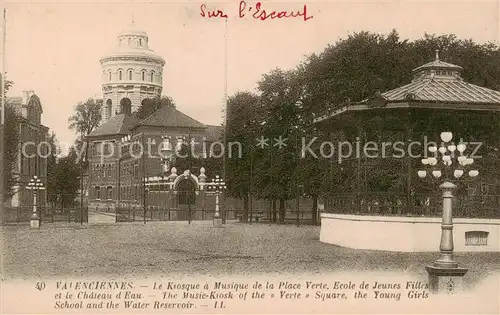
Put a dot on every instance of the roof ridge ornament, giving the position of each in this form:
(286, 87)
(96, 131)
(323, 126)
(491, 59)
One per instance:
(437, 54)
(409, 96)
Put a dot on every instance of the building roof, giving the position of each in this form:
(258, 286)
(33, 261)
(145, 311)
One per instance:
(133, 30)
(213, 133)
(436, 83)
(438, 64)
(130, 52)
(439, 81)
(128, 46)
(441, 90)
(116, 125)
(167, 116)
(28, 98)
(164, 117)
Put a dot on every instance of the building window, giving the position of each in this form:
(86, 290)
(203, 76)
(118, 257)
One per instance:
(107, 148)
(126, 106)
(110, 192)
(109, 75)
(143, 75)
(107, 108)
(98, 193)
(130, 74)
(96, 149)
(152, 76)
(120, 75)
(29, 166)
(140, 42)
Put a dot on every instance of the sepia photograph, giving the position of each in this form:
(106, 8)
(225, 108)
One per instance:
(241, 157)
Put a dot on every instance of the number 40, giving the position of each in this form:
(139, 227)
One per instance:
(40, 286)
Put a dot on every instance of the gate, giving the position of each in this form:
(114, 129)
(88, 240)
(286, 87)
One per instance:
(181, 205)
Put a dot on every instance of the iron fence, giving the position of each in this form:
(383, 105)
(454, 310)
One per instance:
(47, 214)
(137, 213)
(464, 206)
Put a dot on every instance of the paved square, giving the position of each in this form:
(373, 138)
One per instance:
(162, 248)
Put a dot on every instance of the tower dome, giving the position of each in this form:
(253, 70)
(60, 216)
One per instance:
(131, 72)
(132, 30)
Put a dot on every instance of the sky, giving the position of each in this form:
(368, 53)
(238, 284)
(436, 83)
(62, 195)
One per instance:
(53, 48)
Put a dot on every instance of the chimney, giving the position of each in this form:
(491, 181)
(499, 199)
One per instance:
(25, 97)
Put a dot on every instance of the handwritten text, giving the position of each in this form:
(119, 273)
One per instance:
(257, 12)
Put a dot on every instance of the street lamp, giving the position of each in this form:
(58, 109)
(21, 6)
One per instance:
(444, 274)
(126, 139)
(35, 184)
(217, 185)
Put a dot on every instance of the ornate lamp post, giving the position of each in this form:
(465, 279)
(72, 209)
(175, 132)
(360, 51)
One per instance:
(35, 184)
(217, 185)
(167, 162)
(445, 275)
(126, 140)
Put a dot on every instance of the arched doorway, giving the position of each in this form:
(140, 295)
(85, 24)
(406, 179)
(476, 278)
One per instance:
(126, 106)
(186, 198)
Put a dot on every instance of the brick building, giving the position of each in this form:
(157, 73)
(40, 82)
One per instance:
(121, 172)
(29, 162)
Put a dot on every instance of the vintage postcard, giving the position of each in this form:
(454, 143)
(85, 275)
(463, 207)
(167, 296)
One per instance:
(250, 157)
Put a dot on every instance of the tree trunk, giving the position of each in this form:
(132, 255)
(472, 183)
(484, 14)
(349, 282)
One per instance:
(314, 210)
(274, 211)
(282, 210)
(244, 218)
